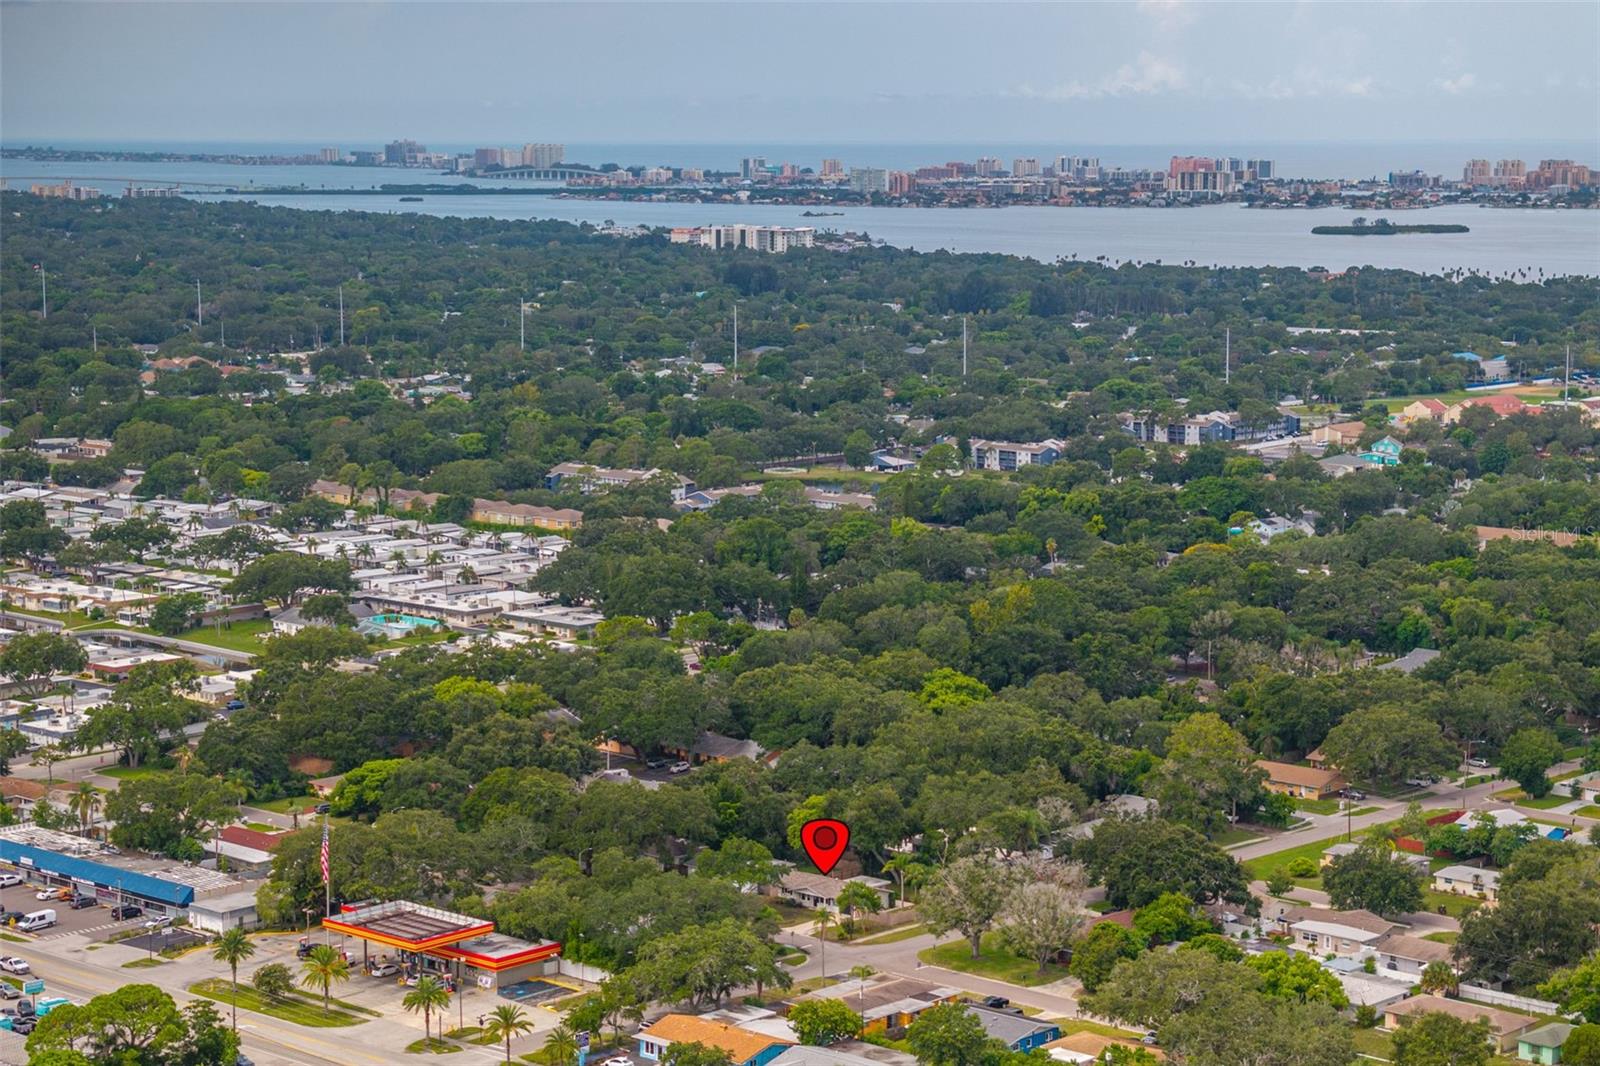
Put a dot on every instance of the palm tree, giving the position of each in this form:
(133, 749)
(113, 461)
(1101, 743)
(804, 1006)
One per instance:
(85, 803)
(506, 1022)
(824, 918)
(233, 947)
(322, 968)
(561, 1046)
(428, 996)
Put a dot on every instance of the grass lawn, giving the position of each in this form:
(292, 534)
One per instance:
(1234, 835)
(281, 806)
(471, 1034)
(1528, 393)
(793, 957)
(1588, 810)
(234, 636)
(296, 1010)
(905, 932)
(431, 1046)
(131, 773)
(1322, 806)
(826, 474)
(143, 964)
(1443, 937)
(1083, 1025)
(1374, 1042)
(1260, 866)
(1522, 799)
(995, 963)
(1455, 906)
(261, 827)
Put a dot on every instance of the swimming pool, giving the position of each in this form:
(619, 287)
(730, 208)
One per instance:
(397, 625)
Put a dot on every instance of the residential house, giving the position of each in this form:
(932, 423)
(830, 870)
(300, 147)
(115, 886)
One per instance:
(21, 794)
(1333, 852)
(1337, 466)
(1502, 404)
(1407, 956)
(1329, 932)
(1316, 760)
(1302, 782)
(1468, 881)
(1543, 1045)
(844, 1054)
(886, 1002)
(1505, 1028)
(563, 623)
(1425, 410)
(716, 748)
(1089, 1049)
(524, 515)
(1560, 538)
(743, 1047)
(1007, 455)
(818, 891)
(1411, 661)
(596, 478)
(1385, 451)
(1016, 1031)
(1344, 434)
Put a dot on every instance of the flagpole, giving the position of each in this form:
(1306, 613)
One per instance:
(327, 885)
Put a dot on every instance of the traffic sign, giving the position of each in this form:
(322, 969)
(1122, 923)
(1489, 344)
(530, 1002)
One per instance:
(33, 988)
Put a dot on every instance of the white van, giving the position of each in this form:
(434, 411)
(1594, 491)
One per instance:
(44, 919)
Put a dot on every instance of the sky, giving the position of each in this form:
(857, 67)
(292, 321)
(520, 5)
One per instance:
(1136, 72)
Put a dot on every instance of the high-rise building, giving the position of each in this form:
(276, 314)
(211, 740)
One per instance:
(542, 156)
(832, 168)
(1411, 180)
(901, 183)
(329, 155)
(1262, 168)
(1563, 172)
(402, 153)
(869, 180)
(752, 167)
(1025, 168)
(1190, 164)
(1219, 182)
(1511, 172)
(988, 166)
(1476, 172)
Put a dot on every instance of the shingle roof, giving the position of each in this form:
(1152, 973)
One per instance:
(1290, 774)
(1500, 1021)
(741, 1044)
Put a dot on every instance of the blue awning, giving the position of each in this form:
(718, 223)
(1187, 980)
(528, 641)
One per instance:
(131, 882)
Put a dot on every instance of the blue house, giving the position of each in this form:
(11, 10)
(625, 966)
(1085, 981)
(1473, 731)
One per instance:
(1016, 1031)
(743, 1047)
(1384, 452)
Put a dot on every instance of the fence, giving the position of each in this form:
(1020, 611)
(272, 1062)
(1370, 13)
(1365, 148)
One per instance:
(1479, 994)
(582, 971)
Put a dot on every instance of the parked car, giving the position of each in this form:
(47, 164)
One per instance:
(159, 922)
(9, 991)
(7, 880)
(679, 767)
(1354, 794)
(235, 705)
(48, 1005)
(126, 910)
(12, 964)
(1478, 762)
(322, 808)
(46, 893)
(655, 764)
(618, 1060)
(1423, 781)
(11, 917)
(302, 949)
(110, 849)
(241, 1060)
(80, 902)
(383, 969)
(996, 1002)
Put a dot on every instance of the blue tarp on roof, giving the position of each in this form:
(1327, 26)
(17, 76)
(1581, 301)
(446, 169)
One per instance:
(130, 881)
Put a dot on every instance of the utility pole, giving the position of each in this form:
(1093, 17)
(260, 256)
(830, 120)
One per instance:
(1566, 385)
(736, 338)
(522, 325)
(222, 324)
(95, 333)
(199, 308)
(963, 345)
(44, 294)
(1227, 355)
(341, 316)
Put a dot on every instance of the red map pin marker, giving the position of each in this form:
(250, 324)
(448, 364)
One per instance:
(825, 840)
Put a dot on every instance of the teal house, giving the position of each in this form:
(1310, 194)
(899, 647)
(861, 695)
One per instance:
(1384, 452)
(1543, 1044)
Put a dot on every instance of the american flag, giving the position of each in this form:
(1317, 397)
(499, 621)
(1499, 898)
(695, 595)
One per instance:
(324, 851)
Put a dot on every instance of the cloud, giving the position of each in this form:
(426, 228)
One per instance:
(1145, 76)
(1457, 85)
(1168, 14)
